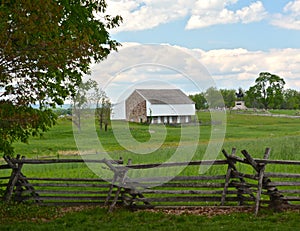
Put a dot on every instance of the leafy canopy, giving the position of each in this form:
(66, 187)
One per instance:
(45, 49)
(268, 90)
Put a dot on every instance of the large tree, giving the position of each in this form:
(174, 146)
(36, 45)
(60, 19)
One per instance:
(267, 91)
(45, 49)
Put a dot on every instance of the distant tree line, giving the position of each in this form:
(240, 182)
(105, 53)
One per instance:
(267, 93)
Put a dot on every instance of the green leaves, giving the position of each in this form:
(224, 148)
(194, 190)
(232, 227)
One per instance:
(51, 42)
(45, 49)
(20, 122)
(267, 91)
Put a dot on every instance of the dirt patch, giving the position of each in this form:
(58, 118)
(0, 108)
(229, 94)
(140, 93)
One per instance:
(76, 152)
(68, 152)
(208, 211)
(211, 211)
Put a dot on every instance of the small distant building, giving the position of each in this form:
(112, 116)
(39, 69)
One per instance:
(157, 106)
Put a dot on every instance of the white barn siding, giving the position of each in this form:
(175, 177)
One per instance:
(171, 110)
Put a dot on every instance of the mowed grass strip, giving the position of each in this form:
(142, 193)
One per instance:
(80, 218)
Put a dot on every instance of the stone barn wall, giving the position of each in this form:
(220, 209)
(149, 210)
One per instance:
(136, 110)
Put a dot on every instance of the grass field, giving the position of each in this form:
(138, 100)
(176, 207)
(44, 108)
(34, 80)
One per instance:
(45, 218)
(243, 131)
(286, 112)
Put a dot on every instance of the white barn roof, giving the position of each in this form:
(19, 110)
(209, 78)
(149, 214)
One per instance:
(165, 96)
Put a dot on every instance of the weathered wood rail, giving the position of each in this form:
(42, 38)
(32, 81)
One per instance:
(64, 191)
(233, 187)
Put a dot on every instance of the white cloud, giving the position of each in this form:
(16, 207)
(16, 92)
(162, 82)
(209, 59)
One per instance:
(215, 12)
(147, 14)
(230, 68)
(293, 6)
(290, 19)
(240, 66)
(254, 13)
(211, 18)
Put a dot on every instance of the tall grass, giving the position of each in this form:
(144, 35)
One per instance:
(250, 132)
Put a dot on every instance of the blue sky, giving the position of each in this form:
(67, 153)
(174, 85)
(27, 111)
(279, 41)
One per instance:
(234, 40)
(256, 35)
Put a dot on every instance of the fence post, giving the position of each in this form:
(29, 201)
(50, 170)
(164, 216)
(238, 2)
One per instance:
(242, 187)
(121, 175)
(119, 178)
(228, 174)
(111, 186)
(261, 179)
(16, 170)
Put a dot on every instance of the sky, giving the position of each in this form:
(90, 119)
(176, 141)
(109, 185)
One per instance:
(231, 40)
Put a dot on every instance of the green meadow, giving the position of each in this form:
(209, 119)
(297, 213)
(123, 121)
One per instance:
(243, 131)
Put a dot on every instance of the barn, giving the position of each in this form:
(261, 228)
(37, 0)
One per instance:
(169, 106)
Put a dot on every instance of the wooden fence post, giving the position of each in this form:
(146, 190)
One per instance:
(121, 175)
(263, 182)
(16, 170)
(115, 177)
(111, 186)
(228, 173)
(23, 180)
(241, 187)
(261, 179)
(119, 179)
(276, 197)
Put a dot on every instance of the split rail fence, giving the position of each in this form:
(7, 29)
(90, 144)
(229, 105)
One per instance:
(232, 188)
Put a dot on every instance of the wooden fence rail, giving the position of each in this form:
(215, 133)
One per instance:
(232, 187)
